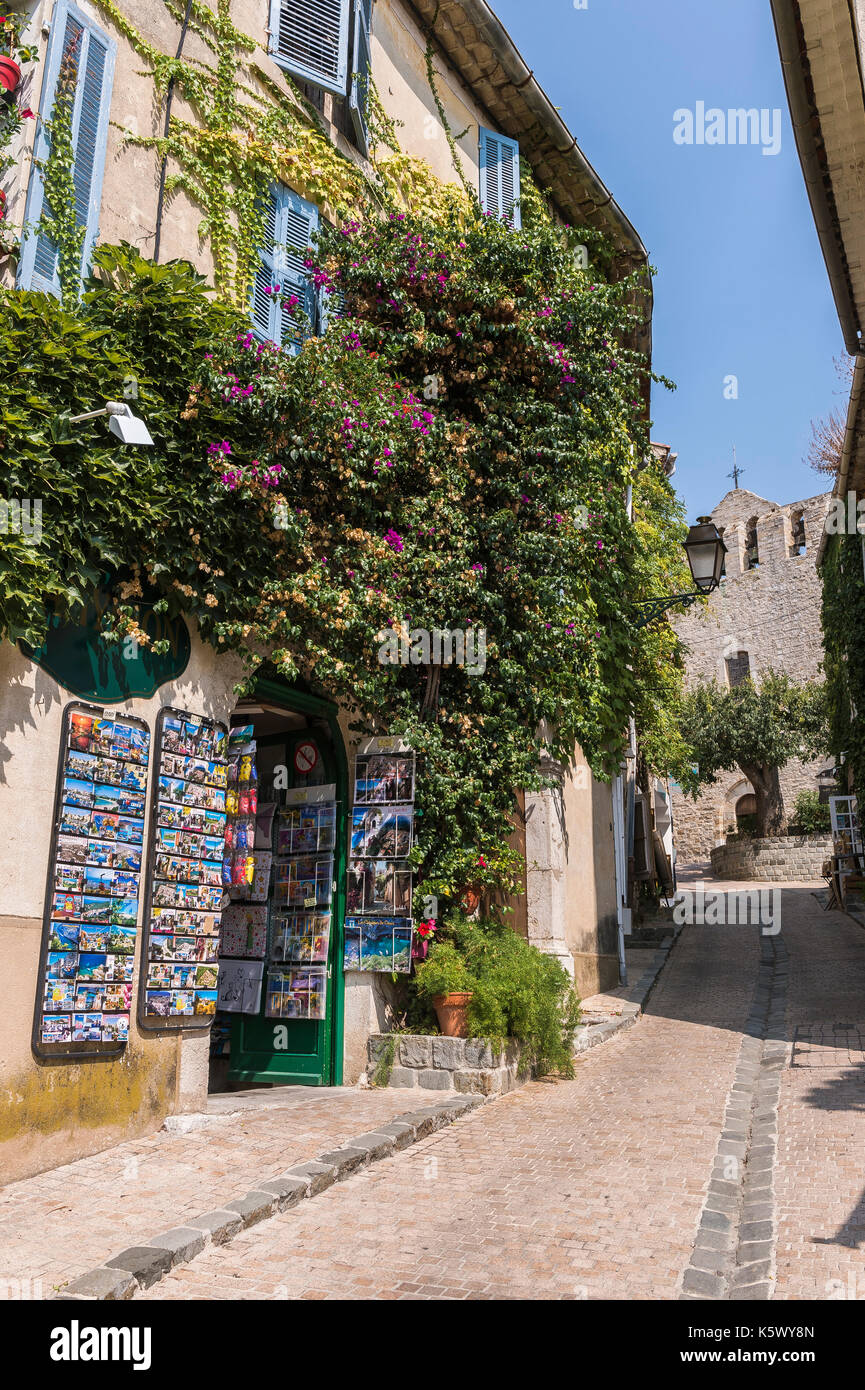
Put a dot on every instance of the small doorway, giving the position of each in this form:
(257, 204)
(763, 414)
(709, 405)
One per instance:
(292, 1035)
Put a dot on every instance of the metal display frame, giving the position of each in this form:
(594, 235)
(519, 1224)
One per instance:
(150, 1023)
(66, 1051)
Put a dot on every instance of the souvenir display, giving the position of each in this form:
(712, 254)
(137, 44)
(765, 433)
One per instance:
(298, 993)
(380, 779)
(244, 931)
(381, 831)
(186, 852)
(378, 943)
(241, 805)
(92, 911)
(260, 886)
(239, 989)
(300, 917)
(378, 885)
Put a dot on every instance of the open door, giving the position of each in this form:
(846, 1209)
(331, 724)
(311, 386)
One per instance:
(294, 1036)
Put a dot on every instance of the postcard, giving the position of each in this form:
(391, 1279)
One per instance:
(205, 1002)
(127, 857)
(121, 940)
(64, 936)
(115, 1027)
(171, 789)
(214, 822)
(91, 966)
(134, 776)
(89, 997)
(182, 1003)
(87, 1028)
(108, 770)
(124, 912)
(190, 844)
(167, 840)
(169, 815)
(131, 803)
(57, 1030)
(381, 831)
(105, 797)
(77, 792)
(130, 830)
(139, 743)
(104, 825)
(61, 965)
(69, 878)
(157, 1003)
(74, 821)
(59, 995)
(102, 734)
(99, 881)
(159, 975)
(118, 998)
(172, 730)
(71, 849)
(162, 919)
(80, 729)
(80, 765)
(119, 968)
(91, 939)
(96, 908)
(66, 906)
(184, 948)
(211, 872)
(162, 948)
(120, 740)
(125, 884)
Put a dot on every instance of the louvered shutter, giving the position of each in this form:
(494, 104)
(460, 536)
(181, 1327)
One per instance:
(92, 53)
(361, 70)
(300, 220)
(310, 39)
(288, 222)
(500, 177)
(330, 308)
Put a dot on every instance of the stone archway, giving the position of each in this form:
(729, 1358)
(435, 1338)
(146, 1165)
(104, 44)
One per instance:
(733, 796)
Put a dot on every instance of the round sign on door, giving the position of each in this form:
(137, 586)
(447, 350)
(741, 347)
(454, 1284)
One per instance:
(305, 758)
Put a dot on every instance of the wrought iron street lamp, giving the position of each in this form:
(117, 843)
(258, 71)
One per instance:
(705, 550)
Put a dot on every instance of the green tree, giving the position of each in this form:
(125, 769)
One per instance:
(758, 728)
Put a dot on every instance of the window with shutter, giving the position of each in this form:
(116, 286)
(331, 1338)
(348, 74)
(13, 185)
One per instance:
(310, 39)
(500, 177)
(288, 224)
(90, 52)
(358, 99)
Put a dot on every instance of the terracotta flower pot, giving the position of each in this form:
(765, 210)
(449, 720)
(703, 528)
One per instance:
(10, 73)
(452, 1012)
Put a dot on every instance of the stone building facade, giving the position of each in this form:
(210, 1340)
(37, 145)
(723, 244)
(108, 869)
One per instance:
(764, 616)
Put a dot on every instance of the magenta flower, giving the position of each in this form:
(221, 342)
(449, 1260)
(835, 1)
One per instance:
(395, 541)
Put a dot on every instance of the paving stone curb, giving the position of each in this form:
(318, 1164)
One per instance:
(632, 1004)
(141, 1266)
(734, 1252)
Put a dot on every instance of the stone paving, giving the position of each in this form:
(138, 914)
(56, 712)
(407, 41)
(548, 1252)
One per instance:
(62, 1223)
(596, 1188)
(600, 1187)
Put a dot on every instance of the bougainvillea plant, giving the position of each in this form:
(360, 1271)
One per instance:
(454, 453)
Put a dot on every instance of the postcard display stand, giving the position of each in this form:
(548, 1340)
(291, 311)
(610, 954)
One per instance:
(184, 872)
(301, 904)
(846, 833)
(91, 912)
(378, 924)
(243, 939)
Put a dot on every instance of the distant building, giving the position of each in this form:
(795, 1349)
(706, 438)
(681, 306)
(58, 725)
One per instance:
(765, 615)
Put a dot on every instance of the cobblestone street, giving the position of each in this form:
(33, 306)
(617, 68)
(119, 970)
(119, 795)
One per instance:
(600, 1187)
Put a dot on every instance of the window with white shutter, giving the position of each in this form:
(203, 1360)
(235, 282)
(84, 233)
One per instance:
(288, 222)
(361, 69)
(76, 40)
(500, 177)
(310, 39)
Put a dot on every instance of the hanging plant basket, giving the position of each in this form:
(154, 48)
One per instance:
(10, 73)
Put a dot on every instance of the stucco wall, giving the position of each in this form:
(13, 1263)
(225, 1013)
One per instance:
(52, 1112)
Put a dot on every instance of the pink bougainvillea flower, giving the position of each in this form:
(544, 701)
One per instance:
(395, 541)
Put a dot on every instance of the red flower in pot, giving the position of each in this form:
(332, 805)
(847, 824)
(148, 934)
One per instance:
(10, 73)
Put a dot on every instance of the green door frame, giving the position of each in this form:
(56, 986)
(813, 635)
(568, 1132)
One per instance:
(300, 702)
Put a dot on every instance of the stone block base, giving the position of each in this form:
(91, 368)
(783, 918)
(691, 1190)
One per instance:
(468, 1065)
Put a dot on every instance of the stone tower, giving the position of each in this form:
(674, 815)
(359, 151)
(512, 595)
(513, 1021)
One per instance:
(765, 614)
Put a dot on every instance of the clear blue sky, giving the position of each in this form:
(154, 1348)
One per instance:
(741, 286)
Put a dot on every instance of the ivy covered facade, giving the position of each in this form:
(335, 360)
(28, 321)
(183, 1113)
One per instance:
(389, 334)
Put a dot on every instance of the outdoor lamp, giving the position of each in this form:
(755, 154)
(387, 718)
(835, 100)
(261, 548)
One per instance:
(705, 550)
(122, 423)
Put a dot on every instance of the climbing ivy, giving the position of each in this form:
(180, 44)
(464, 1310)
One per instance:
(844, 643)
(59, 220)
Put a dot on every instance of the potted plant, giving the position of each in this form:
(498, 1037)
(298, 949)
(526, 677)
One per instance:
(13, 54)
(446, 980)
(423, 936)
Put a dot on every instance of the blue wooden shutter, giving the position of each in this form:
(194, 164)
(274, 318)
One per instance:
(288, 224)
(361, 70)
(310, 39)
(500, 177)
(300, 220)
(93, 54)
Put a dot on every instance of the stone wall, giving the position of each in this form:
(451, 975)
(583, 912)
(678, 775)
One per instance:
(470, 1065)
(772, 612)
(788, 858)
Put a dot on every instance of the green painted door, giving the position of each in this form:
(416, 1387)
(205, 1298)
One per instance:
(288, 1051)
